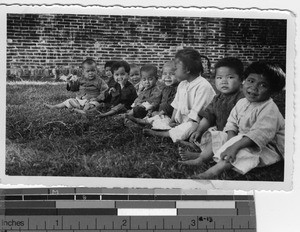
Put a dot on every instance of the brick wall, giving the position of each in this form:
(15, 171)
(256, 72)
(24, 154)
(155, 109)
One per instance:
(38, 43)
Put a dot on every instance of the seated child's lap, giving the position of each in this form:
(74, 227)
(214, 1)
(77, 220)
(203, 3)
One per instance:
(160, 122)
(214, 138)
(80, 103)
(183, 131)
(248, 158)
(75, 103)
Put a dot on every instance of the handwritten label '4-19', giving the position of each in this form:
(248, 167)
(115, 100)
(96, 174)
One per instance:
(207, 219)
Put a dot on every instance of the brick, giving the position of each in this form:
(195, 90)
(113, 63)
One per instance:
(37, 39)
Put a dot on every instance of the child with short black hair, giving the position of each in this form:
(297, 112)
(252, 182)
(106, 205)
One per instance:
(107, 71)
(91, 90)
(135, 77)
(160, 119)
(124, 100)
(254, 132)
(228, 81)
(111, 93)
(194, 93)
(148, 100)
(169, 90)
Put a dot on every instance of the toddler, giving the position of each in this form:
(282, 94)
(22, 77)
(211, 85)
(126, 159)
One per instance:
(194, 93)
(254, 132)
(169, 90)
(148, 100)
(135, 77)
(228, 80)
(127, 95)
(160, 119)
(108, 76)
(111, 94)
(91, 90)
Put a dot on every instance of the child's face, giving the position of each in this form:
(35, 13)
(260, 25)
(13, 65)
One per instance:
(148, 79)
(227, 81)
(256, 88)
(181, 73)
(89, 71)
(134, 76)
(168, 75)
(121, 76)
(108, 72)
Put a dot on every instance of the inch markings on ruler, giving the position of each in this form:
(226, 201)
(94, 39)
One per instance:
(124, 210)
(25, 223)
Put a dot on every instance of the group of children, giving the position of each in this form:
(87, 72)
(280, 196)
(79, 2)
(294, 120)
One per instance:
(240, 127)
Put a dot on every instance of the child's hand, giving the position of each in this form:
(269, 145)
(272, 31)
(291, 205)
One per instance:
(69, 79)
(195, 136)
(147, 106)
(172, 123)
(229, 154)
(84, 97)
(230, 134)
(92, 112)
(149, 114)
(112, 90)
(138, 104)
(161, 112)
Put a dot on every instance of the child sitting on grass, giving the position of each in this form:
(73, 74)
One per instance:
(148, 100)
(108, 76)
(91, 90)
(127, 91)
(255, 128)
(228, 80)
(161, 118)
(194, 93)
(169, 91)
(135, 78)
(112, 92)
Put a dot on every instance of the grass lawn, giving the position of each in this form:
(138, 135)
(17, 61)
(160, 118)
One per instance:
(41, 142)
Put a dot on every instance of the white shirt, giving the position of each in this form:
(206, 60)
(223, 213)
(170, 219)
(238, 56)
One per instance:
(262, 122)
(191, 98)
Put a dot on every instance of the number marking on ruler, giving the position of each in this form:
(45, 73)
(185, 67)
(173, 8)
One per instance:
(59, 210)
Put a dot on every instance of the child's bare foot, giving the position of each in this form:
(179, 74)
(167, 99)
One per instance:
(156, 133)
(92, 113)
(187, 155)
(186, 143)
(194, 162)
(137, 120)
(148, 132)
(49, 106)
(100, 115)
(80, 111)
(214, 171)
(198, 161)
(124, 115)
(205, 176)
(130, 117)
(128, 123)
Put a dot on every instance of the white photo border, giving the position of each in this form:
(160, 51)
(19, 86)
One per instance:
(158, 183)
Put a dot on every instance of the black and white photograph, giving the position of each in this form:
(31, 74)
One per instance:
(141, 96)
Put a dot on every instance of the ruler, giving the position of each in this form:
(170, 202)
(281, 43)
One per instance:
(120, 210)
